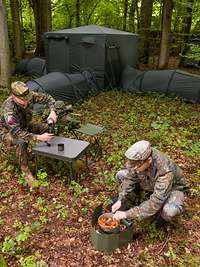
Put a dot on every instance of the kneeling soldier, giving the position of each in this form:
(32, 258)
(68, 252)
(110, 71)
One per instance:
(152, 171)
(16, 127)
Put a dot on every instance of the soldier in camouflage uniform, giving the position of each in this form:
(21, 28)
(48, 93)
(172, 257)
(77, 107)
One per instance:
(154, 172)
(15, 123)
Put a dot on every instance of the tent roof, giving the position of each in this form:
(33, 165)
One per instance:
(93, 29)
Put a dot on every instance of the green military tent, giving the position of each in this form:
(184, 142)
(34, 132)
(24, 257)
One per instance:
(103, 50)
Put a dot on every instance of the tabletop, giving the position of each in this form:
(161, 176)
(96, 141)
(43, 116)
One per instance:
(73, 148)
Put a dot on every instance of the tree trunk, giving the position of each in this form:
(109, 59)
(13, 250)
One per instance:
(165, 35)
(42, 16)
(18, 41)
(4, 47)
(77, 13)
(132, 16)
(145, 25)
(187, 21)
(125, 14)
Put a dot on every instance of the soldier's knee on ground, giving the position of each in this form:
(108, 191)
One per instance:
(170, 211)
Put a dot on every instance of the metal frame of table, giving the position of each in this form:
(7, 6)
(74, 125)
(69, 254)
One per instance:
(73, 149)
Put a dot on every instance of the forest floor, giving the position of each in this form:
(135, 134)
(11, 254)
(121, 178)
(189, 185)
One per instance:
(52, 228)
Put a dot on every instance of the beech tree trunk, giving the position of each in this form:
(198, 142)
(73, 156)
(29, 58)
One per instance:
(125, 14)
(132, 15)
(77, 13)
(4, 47)
(42, 16)
(145, 25)
(187, 22)
(165, 35)
(18, 41)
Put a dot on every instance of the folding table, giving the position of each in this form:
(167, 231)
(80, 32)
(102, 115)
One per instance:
(73, 149)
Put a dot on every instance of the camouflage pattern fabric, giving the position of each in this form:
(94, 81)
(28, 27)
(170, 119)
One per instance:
(164, 180)
(16, 127)
(21, 145)
(16, 119)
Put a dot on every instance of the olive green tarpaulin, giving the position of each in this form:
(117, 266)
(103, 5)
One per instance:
(168, 82)
(35, 67)
(105, 51)
(66, 87)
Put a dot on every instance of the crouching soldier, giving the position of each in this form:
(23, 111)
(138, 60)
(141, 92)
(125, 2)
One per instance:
(16, 127)
(150, 170)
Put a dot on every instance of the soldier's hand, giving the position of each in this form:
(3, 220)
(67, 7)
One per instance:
(45, 137)
(116, 206)
(119, 215)
(53, 116)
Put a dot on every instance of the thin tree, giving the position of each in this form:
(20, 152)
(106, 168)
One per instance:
(18, 41)
(187, 20)
(132, 15)
(145, 25)
(77, 13)
(4, 47)
(42, 16)
(167, 9)
(125, 14)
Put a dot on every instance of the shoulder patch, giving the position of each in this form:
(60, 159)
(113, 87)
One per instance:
(11, 119)
(160, 186)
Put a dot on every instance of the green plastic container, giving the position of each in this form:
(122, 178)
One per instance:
(109, 242)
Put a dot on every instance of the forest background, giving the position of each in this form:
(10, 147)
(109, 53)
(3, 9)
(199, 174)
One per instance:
(164, 25)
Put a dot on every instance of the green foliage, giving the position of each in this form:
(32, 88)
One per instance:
(44, 219)
(42, 178)
(31, 261)
(62, 212)
(24, 234)
(144, 256)
(77, 189)
(9, 245)
(171, 254)
(154, 234)
(102, 199)
(189, 260)
(40, 205)
(3, 262)
(18, 245)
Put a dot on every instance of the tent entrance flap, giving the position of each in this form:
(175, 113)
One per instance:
(113, 69)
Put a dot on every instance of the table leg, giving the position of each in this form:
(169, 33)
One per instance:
(71, 171)
(86, 163)
(36, 165)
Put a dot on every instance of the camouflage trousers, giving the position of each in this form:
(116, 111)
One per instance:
(8, 141)
(173, 206)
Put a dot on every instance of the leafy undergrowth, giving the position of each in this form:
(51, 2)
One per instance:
(51, 228)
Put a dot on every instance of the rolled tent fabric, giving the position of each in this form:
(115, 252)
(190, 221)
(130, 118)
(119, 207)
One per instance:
(31, 66)
(168, 82)
(186, 85)
(64, 86)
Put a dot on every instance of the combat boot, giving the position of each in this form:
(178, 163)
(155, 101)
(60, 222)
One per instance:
(159, 221)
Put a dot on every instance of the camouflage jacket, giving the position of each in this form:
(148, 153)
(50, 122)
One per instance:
(163, 177)
(15, 118)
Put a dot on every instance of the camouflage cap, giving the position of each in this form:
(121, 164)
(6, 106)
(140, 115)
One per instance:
(21, 90)
(141, 150)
